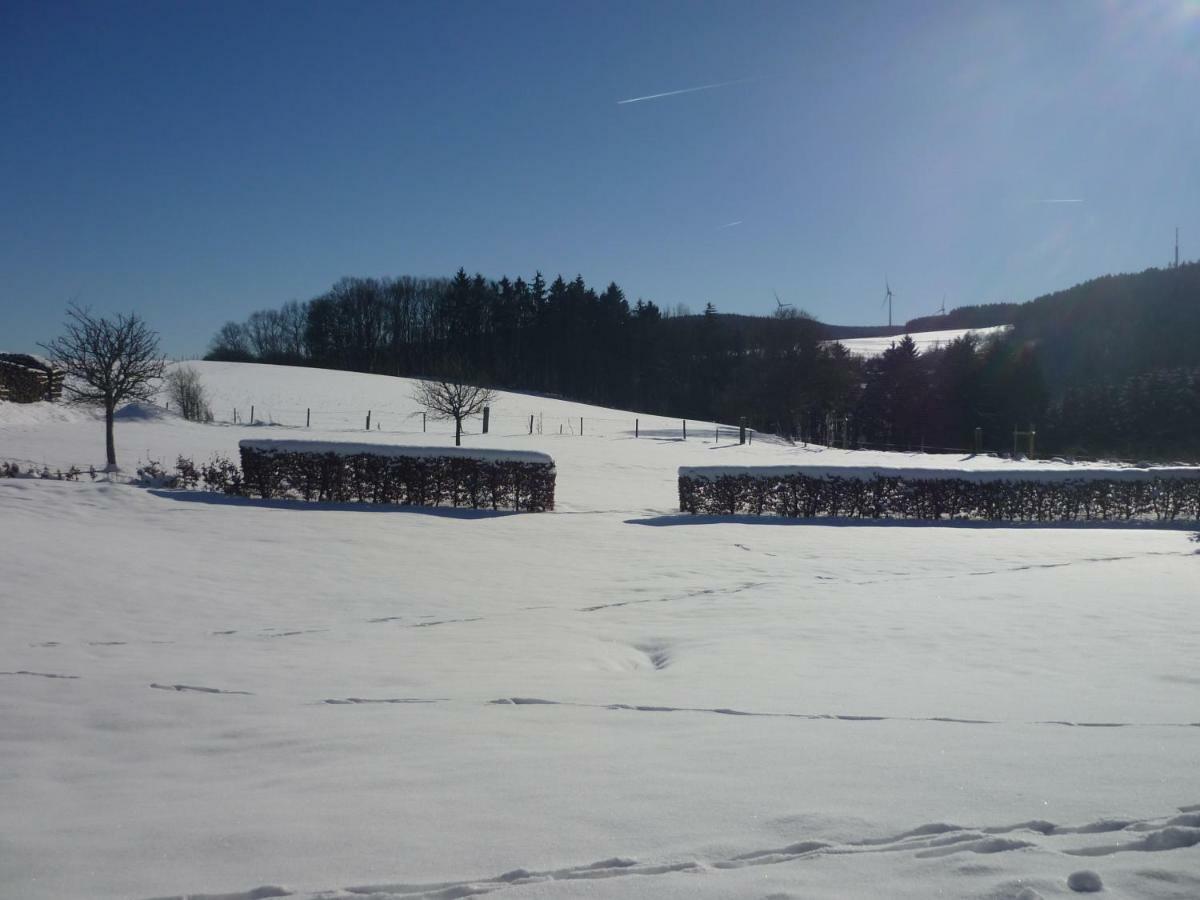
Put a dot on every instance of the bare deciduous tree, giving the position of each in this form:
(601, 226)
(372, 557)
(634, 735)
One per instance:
(450, 397)
(107, 361)
(186, 391)
(231, 344)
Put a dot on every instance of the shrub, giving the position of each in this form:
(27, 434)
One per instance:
(222, 474)
(1031, 495)
(187, 392)
(186, 474)
(152, 474)
(418, 476)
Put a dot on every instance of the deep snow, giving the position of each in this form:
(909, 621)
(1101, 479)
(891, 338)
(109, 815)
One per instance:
(206, 696)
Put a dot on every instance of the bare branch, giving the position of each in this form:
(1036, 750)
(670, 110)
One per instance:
(451, 397)
(107, 361)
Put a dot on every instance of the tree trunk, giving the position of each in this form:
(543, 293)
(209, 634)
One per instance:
(457, 431)
(109, 446)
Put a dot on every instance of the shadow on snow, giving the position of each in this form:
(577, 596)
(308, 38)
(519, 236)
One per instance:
(445, 512)
(663, 521)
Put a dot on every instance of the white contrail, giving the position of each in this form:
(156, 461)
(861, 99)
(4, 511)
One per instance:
(1065, 200)
(691, 90)
(731, 224)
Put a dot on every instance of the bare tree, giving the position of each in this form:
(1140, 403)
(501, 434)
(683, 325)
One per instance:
(450, 397)
(187, 392)
(107, 361)
(231, 344)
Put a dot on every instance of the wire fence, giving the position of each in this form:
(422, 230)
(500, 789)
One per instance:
(407, 422)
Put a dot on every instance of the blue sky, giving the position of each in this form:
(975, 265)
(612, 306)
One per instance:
(198, 161)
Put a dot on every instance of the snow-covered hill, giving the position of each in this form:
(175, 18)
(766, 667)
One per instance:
(203, 696)
(925, 340)
(602, 464)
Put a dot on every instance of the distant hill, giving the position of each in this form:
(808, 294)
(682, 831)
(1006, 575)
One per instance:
(1116, 326)
(1105, 329)
(985, 315)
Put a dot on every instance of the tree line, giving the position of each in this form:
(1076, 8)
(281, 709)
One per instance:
(1066, 367)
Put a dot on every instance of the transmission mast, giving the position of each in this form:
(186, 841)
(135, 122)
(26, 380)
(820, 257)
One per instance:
(1177, 246)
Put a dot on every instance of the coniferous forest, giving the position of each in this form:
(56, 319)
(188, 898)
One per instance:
(1110, 367)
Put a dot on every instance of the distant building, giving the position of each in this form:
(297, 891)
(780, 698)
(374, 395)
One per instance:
(25, 378)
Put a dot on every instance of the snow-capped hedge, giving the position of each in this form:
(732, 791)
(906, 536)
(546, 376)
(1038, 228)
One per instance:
(379, 473)
(1013, 495)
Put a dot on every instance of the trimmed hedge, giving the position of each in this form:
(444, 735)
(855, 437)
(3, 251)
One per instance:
(1030, 496)
(414, 476)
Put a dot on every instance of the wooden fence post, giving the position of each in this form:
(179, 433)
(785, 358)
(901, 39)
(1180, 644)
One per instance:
(742, 431)
(368, 420)
(636, 428)
(978, 440)
(422, 423)
(487, 412)
(685, 429)
(251, 413)
(531, 423)
(308, 417)
(581, 426)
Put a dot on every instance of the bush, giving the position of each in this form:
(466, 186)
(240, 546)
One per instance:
(1032, 496)
(417, 476)
(187, 392)
(222, 474)
(186, 474)
(152, 474)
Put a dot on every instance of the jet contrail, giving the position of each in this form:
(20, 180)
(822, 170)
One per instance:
(703, 87)
(731, 224)
(1069, 200)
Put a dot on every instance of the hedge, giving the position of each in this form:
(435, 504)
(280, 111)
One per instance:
(1029, 495)
(415, 476)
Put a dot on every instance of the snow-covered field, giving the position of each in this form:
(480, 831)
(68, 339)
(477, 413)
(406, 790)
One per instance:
(203, 696)
(925, 340)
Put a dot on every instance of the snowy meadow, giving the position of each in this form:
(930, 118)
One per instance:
(204, 696)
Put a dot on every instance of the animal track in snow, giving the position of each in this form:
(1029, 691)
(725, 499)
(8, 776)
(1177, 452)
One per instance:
(835, 717)
(40, 674)
(930, 841)
(196, 689)
(923, 576)
(657, 652)
(1173, 837)
(380, 700)
(279, 634)
(524, 701)
(446, 622)
(258, 893)
(737, 589)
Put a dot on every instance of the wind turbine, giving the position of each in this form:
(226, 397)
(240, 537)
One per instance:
(887, 298)
(782, 306)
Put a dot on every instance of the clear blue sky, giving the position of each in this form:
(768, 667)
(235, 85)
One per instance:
(198, 161)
